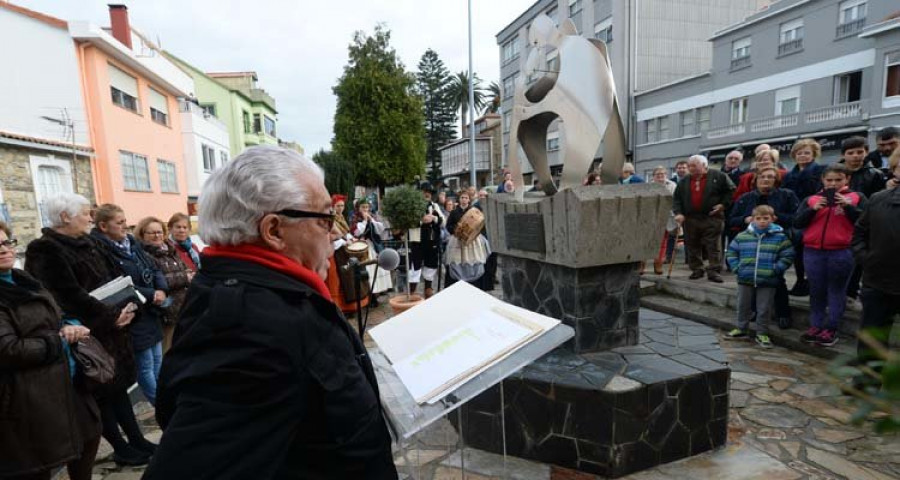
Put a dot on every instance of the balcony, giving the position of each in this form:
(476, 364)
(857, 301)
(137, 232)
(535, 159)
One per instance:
(740, 62)
(849, 114)
(852, 110)
(774, 123)
(850, 28)
(198, 113)
(726, 131)
(789, 47)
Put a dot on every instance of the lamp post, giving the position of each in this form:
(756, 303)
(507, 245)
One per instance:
(471, 106)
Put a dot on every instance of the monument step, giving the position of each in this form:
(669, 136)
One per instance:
(724, 319)
(725, 295)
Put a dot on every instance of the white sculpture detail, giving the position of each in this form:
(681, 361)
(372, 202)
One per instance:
(582, 95)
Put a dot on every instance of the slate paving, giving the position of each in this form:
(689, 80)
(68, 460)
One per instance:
(786, 421)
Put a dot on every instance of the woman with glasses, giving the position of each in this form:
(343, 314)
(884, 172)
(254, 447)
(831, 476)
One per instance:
(70, 263)
(47, 417)
(180, 236)
(152, 233)
(146, 329)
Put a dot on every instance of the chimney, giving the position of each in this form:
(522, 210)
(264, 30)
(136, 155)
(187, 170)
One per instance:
(118, 20)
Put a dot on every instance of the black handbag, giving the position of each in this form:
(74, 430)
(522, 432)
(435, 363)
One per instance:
(93, 361)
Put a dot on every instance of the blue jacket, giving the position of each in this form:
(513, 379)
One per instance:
(760, 258)
(783, 201)
(804, 182)
(633, 179)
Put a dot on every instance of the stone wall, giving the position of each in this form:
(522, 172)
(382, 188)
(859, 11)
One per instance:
(18, 188)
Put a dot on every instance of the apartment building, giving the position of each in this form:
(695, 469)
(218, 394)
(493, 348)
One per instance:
(826, 69)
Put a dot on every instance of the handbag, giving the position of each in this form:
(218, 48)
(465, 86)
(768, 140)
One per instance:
(93, 361)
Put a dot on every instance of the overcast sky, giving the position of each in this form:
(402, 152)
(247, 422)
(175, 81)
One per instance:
(299, 48)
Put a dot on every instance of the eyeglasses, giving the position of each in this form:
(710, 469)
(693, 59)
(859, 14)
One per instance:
(304, 214)
(9, 243)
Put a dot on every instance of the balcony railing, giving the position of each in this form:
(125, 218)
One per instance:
(740, 62)
(193, 108)
(850, 28)
(726, 131)
(790, 47)
(834, 112)
(774, 123)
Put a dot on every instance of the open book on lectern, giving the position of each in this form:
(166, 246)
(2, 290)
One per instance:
(442, 343)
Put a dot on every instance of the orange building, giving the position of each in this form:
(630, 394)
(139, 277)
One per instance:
(131, 94)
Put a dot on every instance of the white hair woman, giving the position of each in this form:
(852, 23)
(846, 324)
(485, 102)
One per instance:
(70, 263)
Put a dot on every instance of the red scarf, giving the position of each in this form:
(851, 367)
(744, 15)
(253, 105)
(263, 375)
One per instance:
(272, 260)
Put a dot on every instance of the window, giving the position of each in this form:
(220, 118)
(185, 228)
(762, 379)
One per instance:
(791, 37)
(739, 110)
(553, 61)
(123, 88)
(509, 84)
(168, 182)
(135, 171)
(552, 141)
(604, 31)
(269, 124)
(687, 123)
(209, 158)
(740, 53)
(246, 118)
(574, 7)
(552, 14)
(223, 157)
(51, 176)
(892, 74)
(847, 88)
(257, 123)
(510, 50)
(851, 17)
(787, 101)
(650, 125)
(159, 107)
(664, 128)
(209, 109)
(703, 118)
(507, 120)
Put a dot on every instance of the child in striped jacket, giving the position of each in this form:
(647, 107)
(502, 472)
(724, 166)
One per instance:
(759, 256)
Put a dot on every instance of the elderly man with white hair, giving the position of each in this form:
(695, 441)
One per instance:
(265, 378)
(700, 202)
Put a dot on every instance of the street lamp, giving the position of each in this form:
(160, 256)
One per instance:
(471, 105)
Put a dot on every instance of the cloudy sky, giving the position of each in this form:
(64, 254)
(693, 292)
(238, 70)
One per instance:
(299, 48)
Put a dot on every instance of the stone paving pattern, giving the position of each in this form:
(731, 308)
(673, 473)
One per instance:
(809, 438)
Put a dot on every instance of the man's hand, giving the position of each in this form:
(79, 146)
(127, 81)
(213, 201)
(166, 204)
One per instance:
(74, 333)
(428, 218)
(679, 219)
(748, 219)
(717, 209)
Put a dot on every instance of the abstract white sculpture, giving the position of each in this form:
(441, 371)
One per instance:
(582, 95)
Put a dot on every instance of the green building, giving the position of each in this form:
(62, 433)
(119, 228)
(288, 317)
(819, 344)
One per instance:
(233, 97)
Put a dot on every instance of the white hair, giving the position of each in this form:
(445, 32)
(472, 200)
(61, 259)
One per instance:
(628, 167)
(70, 203)
(699, 158)
(261, 180)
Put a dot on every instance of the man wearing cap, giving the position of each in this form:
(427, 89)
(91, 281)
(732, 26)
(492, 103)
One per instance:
(425, 244)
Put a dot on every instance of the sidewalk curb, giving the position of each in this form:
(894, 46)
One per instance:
(723, 319)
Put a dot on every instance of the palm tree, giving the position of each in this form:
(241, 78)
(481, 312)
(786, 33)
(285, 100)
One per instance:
(494, 98)
(459, 95)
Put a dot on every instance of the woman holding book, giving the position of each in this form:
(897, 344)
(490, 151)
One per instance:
(69, 263)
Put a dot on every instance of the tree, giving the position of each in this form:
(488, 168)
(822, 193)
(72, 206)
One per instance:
(339, 174)
(459, 92)
(493, 103)
(378, 122)
(434, 82)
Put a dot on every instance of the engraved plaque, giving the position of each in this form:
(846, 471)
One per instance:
(525, 231)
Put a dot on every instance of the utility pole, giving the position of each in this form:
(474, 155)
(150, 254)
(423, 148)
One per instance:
(473, 177)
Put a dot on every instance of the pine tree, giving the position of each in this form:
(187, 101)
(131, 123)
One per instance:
(434, 83)
(378, 122)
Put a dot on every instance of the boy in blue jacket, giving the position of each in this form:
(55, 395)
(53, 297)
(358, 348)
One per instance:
(759, 256)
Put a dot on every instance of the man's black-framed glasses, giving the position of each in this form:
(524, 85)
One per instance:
(305, 214)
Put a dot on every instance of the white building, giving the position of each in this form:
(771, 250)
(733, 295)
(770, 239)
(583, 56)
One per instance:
(206, 142)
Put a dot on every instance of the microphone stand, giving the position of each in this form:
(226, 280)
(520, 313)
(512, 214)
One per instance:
(357, 284)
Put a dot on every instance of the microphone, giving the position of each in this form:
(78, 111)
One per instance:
(387, 260)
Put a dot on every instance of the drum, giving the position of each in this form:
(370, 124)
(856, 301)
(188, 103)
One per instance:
(359, 251)
(469, 226)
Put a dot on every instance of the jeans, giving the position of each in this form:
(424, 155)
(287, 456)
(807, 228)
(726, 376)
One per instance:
(828, 272)
(879, 309)
(148, 362)
(763, 299)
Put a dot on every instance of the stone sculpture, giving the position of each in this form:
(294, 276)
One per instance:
(582, 94)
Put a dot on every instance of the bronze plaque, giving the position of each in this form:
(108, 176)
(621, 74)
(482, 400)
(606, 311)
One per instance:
(525, 231)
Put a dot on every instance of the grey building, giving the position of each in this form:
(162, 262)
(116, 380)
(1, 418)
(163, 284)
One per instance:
(650, 42)
(825, 69)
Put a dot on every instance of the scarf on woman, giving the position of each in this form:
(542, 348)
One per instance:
(188, 246)
(271, 260)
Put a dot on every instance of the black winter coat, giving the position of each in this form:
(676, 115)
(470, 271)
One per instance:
(783, 201)
(44, 420)
(69, 268)
(146, 328)
(266, 380)
(868, 180)
(804, 182)
(173, 268)
(875, 239)
(718, 191)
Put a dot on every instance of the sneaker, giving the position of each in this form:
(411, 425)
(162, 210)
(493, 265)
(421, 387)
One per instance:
(736, 334)
(854, 304)
(697, 274)
(811, 334)
(827, 338)
(763, 341)
(715, 277)
(130, 456)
